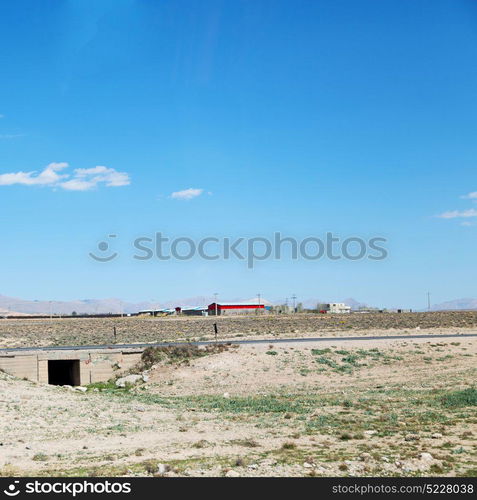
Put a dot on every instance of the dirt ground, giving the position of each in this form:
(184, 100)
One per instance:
(28, 332)
(349, 408)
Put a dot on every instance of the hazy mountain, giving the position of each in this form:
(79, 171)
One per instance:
(116, 306)
(455, 305)
(354, 304)
(98, 306)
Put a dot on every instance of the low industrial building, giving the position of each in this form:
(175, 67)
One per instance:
(235, 308)
(156, 312)
(193, 311)
(335, 308)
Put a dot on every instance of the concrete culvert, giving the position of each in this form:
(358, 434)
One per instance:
(64, 372)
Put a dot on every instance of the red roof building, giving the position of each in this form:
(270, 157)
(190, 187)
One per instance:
(234, 308)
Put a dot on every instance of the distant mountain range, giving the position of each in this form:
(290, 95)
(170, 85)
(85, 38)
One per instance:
(100, 306)
(456, 305)
(91, 306)
(116, 306)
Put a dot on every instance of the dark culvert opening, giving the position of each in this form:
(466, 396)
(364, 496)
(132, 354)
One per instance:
(64, 372)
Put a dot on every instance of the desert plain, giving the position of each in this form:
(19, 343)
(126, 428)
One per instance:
(361, 407)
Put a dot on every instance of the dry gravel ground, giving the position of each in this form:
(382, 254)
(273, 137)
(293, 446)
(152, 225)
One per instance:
(28, 332)
(388, 407)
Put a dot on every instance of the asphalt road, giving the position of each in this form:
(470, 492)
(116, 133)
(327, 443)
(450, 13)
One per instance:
(240, 342)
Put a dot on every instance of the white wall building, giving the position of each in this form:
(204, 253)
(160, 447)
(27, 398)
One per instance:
(336, 308)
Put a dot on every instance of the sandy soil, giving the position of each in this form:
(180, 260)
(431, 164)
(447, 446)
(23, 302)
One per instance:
(346, 408)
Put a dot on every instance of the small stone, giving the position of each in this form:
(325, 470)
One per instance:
(163, 468)
(253, 466)
(80, 388)
(370, 433)
(128, 380)
(412, 437)
(427, 457)
(232, 473)
(226, 395)
(307, 465)
(436, 435)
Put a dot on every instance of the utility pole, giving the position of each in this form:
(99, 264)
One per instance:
(428, 301)
(294, 303)
(215, 301)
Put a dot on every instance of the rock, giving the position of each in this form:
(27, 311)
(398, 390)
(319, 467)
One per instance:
(412, 437)
(307, 465)
(140, 408)
(163, 468)
(253, 466)
(370, 433)
(421, 463)
(232, 473)
(128, 380)
(80, 388)
(226, 395)
(436, 435)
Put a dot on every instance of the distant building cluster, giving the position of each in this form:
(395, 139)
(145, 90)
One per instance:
(214, 309)
(242, 308)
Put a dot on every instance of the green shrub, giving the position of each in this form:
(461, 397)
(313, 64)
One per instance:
(459, 399)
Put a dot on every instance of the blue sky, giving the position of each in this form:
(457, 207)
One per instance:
(302, 117)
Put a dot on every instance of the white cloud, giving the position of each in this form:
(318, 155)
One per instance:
(89, 178)
(454, 214)
(470, 196)
(187, 194)
(82, 179)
